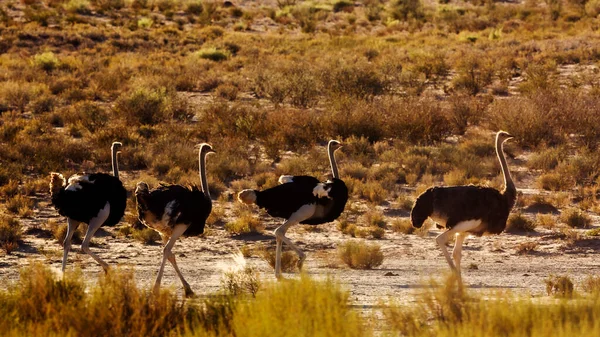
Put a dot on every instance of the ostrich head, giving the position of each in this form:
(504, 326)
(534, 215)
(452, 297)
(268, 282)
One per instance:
(141, 188)
(335, 145)
(503, 136)
(116, 146)
(205, 148)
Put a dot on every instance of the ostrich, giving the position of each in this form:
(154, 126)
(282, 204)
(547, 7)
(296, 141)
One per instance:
(465, 210)
(172, 210)
(301, 199)
(96, 199)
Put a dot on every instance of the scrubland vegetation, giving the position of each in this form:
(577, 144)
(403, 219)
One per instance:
(246, 306)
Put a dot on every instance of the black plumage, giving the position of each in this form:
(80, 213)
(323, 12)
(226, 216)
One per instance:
(98, 199)
(460, 203)
(285, 199)
(175, 210)
(467, 209)
(301, 199)
(176, 203)
(88, 194)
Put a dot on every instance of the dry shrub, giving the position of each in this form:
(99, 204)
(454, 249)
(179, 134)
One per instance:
(107, 5)
(227, 91)
(324, 312)
(405, 202)
(424, 230)
(475, 71)
(377, 232)
(355, 170)
(592, 285)
(375, 219)
(289, 259)
(216, 216)
(345, 226)
(147, 236)
(465, 110)
(358, 255)
(416, 120)
(59, 231)
(286, 81)
(546, 159)
(352, 117)
(20, 204)
(526, 247)
(17, 95)
(238, 120)
(559, 286)
(575, 218)
(554, 182)
(245, 223)
(9, 189)
(372, 191)
(532, 120)
(455, 177)
(360, 80)
(517, 222)
(545, 220)
(593, 232)
(62, 306)
(402, 225)
(580, 169)
(240, 282)
(10, 233)
(144, 105)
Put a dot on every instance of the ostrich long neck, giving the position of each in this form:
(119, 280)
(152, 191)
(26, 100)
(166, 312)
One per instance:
(334, 168)
(203, 181)
(509, 185)
(115, 164)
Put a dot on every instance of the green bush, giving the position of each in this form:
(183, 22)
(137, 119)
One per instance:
(47, 61)
(144, 105)
(212, 54)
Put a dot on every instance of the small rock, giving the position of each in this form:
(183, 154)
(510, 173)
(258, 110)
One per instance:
(389, 273)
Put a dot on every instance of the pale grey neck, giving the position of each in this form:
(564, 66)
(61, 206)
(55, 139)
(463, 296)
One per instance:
(508, 182)
(203, 181)
(115, 164)
(334, 169)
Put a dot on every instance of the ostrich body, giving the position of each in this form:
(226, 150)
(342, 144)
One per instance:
(465, 210)
(96, 199)
(301, 199)
(173, 210)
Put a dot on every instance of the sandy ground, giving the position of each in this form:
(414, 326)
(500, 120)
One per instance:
(490, 262)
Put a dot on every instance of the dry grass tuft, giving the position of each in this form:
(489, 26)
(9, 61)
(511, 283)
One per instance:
(526, 247)
(241, 282)
(245, 223)
(559, 286)
(10, 233)
(289, 259)
(575, 218)
(147, 236)
(358, 255)
(403, 225)
(517, 222)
